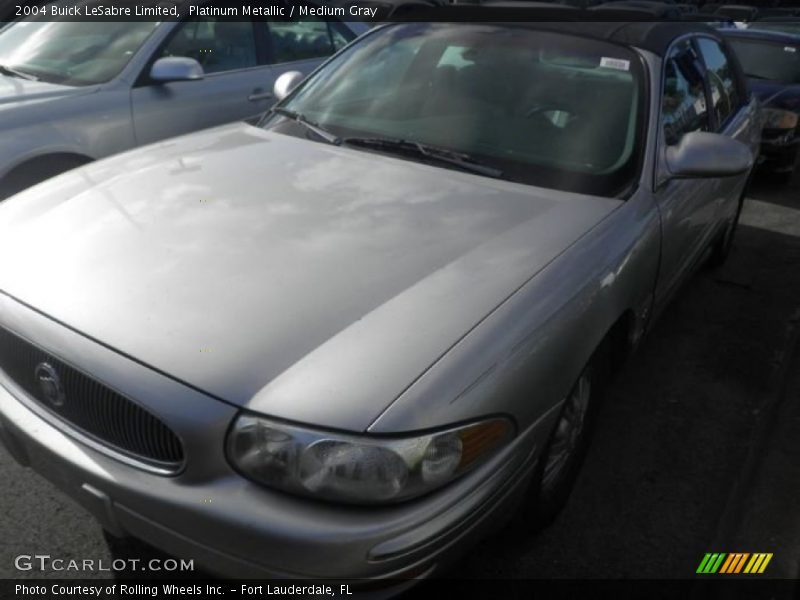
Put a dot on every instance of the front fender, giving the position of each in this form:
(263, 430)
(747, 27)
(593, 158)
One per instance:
(524, 357)
(93, 125)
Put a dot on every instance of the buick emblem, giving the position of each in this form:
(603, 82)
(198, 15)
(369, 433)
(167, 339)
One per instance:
(50, 384)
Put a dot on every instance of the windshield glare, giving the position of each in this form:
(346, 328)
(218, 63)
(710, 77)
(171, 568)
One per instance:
(544, 108)
(70, 53)
(768, 60)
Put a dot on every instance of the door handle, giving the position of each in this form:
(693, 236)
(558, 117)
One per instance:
(259, 95)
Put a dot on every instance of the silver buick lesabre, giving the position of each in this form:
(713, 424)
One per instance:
(348, 341)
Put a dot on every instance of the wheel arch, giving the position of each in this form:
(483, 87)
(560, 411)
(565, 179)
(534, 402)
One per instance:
(618, 342)
(38, 168)
(57, 156)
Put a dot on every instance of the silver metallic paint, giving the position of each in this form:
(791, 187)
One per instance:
(701, 154)
(176, 68)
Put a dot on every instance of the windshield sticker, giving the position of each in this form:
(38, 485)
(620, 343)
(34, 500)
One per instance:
(615, 63)
(789, 49)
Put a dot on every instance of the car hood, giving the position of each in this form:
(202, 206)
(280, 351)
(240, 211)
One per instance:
(15, 91)
(294, 278)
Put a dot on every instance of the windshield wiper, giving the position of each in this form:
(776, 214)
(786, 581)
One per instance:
(4, 70)
(310, 125)
(443, 155)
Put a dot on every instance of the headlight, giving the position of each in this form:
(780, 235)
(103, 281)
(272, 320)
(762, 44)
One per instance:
(780, 119)
(359, 469)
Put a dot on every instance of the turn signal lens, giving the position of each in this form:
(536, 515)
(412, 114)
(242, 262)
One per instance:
(480, 439)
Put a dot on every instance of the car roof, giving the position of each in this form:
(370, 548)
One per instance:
(655, 37)
(754, 33)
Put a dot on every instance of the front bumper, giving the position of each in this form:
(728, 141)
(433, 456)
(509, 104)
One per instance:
(231, 526)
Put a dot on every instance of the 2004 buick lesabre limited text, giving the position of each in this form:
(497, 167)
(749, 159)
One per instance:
(349, 340)
(104, 10)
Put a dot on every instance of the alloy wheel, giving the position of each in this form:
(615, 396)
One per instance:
(567, 434)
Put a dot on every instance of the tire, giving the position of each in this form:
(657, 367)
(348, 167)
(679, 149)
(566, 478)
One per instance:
(561, 460)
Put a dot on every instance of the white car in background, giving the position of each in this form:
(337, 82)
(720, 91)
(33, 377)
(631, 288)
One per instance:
(73, 92)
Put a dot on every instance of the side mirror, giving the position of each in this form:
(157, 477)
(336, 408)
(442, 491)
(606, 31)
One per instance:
(176, 68)
(286, 83)
(703, 154)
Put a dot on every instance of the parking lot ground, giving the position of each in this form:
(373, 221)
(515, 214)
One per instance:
(763, 512)
(696, 448)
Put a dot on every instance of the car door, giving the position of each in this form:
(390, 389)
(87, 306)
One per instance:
(303, 45)
(687, 207)
(237, 84)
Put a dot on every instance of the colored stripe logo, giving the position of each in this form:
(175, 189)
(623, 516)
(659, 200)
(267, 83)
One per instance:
(734, 563)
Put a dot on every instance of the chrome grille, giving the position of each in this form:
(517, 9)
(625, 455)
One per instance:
(91, 407)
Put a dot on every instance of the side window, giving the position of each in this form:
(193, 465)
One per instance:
(304, 40)
(724, 92)
(340, 35)
(683, 106)
(218, 45)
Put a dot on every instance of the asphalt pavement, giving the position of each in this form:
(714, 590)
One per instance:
(696, 447)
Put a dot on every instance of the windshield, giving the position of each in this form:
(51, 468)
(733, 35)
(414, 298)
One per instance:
(71, 53)
(768, 60)
(541, 108)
